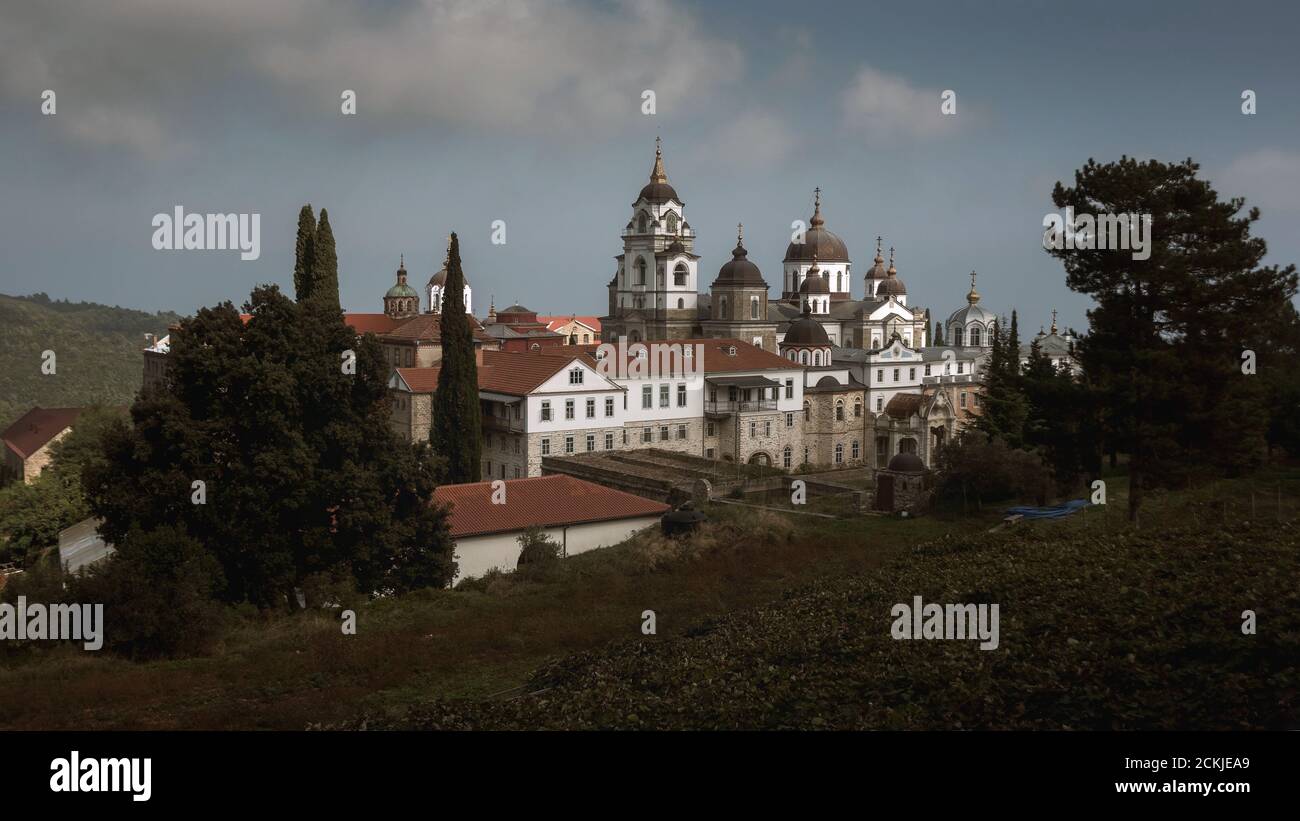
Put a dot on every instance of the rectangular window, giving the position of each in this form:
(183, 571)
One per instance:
(708, 429)
(575, 376)
(911, 374)
(753, 430)
(927, 370)
(568, 408)
(681, 431)
(546, 410)
(546, 447)
(516, 472)
(609, 441)
(663, 433)
(767, 428)
(681, 394)
(789, 389)
(789, 420)
(663, 396)
(609, 406)
(708, 452)
(880, 403)
(647, 435)
(895, 374)
(787, 458)
(961, 367)
(568, 444)
(647, 396)
(962, 400)
(591, 407)
(855, 449)
(591, 442)
(880, 374)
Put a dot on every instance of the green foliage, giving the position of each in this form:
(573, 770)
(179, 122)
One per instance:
(1167, 333)
(98, 349)
(536, 548)
(303, 473)
(974, 469)
(325, 265)
(304, 254)
(1098, 631)
(158, 590)
(1004, 407)
(31, 515)
(456, 430)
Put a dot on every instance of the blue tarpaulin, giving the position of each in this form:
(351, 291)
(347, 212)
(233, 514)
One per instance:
(1055, 512)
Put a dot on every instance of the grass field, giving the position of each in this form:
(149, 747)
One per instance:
(770, 622)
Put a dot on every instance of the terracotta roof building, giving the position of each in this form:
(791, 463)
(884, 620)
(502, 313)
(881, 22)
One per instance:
(28, 441)
(578, 515)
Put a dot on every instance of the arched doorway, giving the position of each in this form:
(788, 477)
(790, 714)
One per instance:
(760, 458)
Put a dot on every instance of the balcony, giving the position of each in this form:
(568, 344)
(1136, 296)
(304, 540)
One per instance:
(501, 424)
(727, 407)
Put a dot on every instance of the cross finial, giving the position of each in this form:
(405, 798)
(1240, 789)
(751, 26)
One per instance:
(740, 232)
(972, 280)
(659, 151)
(1053, 320)
(402, 264)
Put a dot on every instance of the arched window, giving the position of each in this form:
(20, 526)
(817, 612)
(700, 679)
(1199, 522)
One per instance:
(839, 454)
(839, 410)
(722, 308)
(672, 223)
(803, 357)
(975, 336)
(640, 270)
(957, 336)
(857, 411)
(753, 307)
(786, 457)
(856, 450)
(681, 303)
(807, 417)
(641, 223)
(680, 274)
(817, 358)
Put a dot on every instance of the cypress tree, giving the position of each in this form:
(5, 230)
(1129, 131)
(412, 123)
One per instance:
(1004, 406)
(325, 265)
(938, 333)
(456, 433)
(304, 253)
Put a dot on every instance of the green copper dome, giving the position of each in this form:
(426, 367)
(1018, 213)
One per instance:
(401, 289)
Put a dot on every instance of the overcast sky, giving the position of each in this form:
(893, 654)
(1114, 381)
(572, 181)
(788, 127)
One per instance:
(470, 111)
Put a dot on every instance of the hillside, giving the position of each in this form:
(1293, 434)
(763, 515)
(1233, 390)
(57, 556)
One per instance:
(97, 349)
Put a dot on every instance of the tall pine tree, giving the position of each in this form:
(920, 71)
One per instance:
(456, 433)
(325, 266)
(304, 254)
(1168, 331)
(1003, 406)
(938, 334)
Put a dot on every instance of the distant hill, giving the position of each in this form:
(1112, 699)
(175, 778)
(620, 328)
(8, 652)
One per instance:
(97, 348)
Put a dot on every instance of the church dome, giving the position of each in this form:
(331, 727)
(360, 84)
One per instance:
(815, 283)
(818, 243)
(973, 312)
(806, 331)
(400, 288)
(907, 463)
(658, 190)
(739, 271)
(892, 286)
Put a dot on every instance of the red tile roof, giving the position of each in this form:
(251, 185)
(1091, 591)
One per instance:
(36, 428)
(420, 380)
(514, 373)
(717, 358)
(903, 405)
(370, 323)
(555, 322)
(544, 501)
(428, 328)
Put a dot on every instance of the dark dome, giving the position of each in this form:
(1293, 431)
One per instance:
(815, 283)
(818, 243)
(806, 331)
(514, 309)
(907, 463)
(659, 192)
(893, 286)
(740, 271)
(828, 382)
(676, 247)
